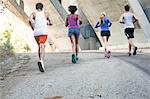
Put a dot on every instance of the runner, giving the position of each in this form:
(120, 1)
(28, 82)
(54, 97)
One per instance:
(104, 23)
(39, 21)
(51, 43)
(73, 21)
(128, 19)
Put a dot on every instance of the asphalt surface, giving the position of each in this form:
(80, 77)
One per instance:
(93, 77)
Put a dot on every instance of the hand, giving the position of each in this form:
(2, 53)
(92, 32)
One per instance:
(122, 22)
(49, 24)
(66, 24)
(80, 22)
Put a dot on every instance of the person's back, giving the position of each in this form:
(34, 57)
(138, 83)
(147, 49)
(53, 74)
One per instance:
(39, 21)
(128, 20)
(73, 21)
(106, 24)
(40, 26)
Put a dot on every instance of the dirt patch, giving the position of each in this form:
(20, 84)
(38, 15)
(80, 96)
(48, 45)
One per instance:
(11, 62)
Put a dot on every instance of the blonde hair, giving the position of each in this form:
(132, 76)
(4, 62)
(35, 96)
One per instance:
(103, 13)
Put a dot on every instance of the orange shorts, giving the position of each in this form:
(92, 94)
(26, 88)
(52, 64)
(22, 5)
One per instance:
(41, 39)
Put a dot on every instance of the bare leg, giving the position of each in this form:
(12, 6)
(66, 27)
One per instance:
(131, 42)
(107, 44)
(42, 51)
(132, 45)
(107, 51)
(77, 46)
(77, 49)
(39, 52)
(107, 38)
(73, 41)
(129, 49)
(104, 38)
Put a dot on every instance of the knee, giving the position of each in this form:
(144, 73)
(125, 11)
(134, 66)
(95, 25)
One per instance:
(42, 46)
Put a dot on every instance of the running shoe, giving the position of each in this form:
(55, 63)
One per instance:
(135, 49)
(41, 66)
(73, 58)
(108, 54)
(129, 53)
(77, 58)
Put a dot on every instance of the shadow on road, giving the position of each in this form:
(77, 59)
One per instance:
(141, 61)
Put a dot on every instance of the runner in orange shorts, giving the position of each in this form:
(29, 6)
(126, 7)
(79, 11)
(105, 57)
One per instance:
(39, 21)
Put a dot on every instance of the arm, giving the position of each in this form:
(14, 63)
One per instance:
(80, 22)
(109, 23)
(66, 22)
(135, 18)
(31, 20)
(48, 19)
(97, 24)
(121, 19)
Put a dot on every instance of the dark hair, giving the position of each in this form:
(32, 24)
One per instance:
(39, 6)
(72, 9)
(127, 8)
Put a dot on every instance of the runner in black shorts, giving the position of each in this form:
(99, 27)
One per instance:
(104, 23)
(105, 33)
(129, 32)
(128, 19)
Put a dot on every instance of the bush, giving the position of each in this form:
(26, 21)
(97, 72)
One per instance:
(6, 48)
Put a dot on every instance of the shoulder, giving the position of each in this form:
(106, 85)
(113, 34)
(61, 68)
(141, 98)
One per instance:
(46, 13)
(76, 14)
(106, 18)
(133, 14)
(123, 14)
(33, 13)
(68, 15)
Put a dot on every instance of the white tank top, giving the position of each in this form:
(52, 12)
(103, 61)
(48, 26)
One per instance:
(128, 19)
(40, 27)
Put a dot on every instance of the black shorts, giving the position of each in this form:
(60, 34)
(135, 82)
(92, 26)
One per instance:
(105, 33)
(129, 32)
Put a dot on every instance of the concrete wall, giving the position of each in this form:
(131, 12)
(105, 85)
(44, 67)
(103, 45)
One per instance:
(146, 7)
(91, 11)
(18, 19)
(20, 3)
(58, 31)
(86, 30)
(113, 9)
(21, 35)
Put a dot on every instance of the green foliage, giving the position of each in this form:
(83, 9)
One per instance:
(7, 37)
(27, 48)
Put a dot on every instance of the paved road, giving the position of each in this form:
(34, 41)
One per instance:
(93, 77)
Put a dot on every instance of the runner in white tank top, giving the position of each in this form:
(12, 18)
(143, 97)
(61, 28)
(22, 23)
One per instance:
(39, 21)
(40, 27)
(128, 19)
